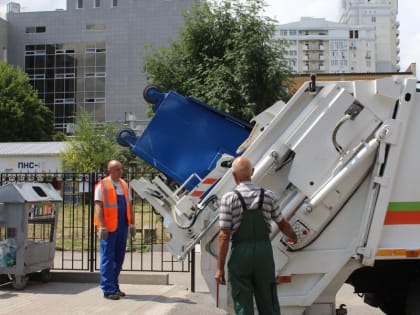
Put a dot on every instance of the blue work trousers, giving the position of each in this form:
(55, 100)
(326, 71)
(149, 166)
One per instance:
(112, 251)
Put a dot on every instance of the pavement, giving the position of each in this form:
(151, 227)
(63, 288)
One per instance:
(78, 293)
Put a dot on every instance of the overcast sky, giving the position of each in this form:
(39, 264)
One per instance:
(286, 11)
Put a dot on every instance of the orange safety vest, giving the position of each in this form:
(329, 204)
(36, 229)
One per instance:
(110, 204)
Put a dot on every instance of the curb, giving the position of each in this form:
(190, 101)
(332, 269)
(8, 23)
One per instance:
(127, 278)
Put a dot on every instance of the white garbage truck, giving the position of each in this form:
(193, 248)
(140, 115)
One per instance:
(342, 158)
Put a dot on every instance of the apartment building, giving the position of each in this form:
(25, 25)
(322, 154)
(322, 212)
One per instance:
(321, 46)
(382, 14)
(365, 40)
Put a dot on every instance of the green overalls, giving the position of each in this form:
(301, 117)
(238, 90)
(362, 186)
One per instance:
(251, 264)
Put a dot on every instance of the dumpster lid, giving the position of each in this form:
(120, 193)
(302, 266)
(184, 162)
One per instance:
(28, 192)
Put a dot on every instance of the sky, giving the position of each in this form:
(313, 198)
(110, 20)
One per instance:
(286, 11)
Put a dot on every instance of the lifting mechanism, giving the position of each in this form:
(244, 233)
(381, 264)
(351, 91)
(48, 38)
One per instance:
(342, 158)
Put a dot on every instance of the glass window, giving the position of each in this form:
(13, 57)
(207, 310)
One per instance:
(97, 3)
(100, 84)
(100, 60)
(59, 85)
(40, 62)
(69, 110)
(69, 85)
(29, 62)
(49, 85)
(30, 29)
(95, 27)
(100, 112)
(50, 61)
(79, 4)
(90, 84)
(59, 61)
(114, 3)
(58, 110)
(39, 85)
(70, 62)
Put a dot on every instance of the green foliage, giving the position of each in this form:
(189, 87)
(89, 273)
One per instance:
(91, 147)
(59, 136)
(225, 56)
(23, 117)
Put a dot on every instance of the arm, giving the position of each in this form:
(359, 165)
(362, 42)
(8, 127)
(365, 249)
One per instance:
(99, 213)
(287, 229)
(223, 247)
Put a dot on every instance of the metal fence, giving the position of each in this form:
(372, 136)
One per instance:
(77, 244)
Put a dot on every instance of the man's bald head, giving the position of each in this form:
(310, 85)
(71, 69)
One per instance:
(115, 170)
(242, 169)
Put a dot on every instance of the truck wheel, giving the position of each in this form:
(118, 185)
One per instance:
(391, 304)
(412, 303)
(19, 282)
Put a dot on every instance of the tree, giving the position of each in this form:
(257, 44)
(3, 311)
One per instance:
(91, 147)
(225, 56)
(23, 117)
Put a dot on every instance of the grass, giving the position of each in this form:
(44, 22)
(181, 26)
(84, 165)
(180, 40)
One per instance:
(73, 226)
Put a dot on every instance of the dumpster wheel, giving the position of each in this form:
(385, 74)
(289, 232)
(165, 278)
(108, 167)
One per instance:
(45, 275)
(19, 282)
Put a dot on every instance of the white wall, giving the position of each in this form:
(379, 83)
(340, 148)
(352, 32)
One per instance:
(30, 164)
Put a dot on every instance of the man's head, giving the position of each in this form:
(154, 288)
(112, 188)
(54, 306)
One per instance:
(242, 169)
(115, 170)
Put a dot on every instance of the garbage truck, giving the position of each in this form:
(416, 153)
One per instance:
(342, 159)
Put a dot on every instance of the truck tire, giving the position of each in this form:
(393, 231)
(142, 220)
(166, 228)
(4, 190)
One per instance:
(392, 304)
(412, 303)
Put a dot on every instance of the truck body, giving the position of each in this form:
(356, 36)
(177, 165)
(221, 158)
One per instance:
(342, 158)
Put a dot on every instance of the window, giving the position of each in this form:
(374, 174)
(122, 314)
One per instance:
(96, 27)
(35, 29)
(373, 19)
(79, 4)
(356, 34)
(351, 34)
(114, 3)
(97, 3)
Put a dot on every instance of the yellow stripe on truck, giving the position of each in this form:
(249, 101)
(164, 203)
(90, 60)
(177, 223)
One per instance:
(398, 252)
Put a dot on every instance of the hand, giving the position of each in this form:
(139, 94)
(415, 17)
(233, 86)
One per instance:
(103, 233)
(291, 241)
(220, 277)
(132, 230)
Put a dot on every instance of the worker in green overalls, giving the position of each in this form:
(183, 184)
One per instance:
(244, 218)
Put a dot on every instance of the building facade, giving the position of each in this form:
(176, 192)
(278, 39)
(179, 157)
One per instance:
(365, 40)
(382, 14)
(31, 157)
(89, 56)
(320, 46)
(3, 39)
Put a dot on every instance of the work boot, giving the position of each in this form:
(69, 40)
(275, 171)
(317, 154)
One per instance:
(112, 296)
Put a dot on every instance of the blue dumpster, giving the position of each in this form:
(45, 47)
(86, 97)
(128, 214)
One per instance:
(185, 136)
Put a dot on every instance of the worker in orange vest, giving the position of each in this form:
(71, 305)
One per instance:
(114, 218)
